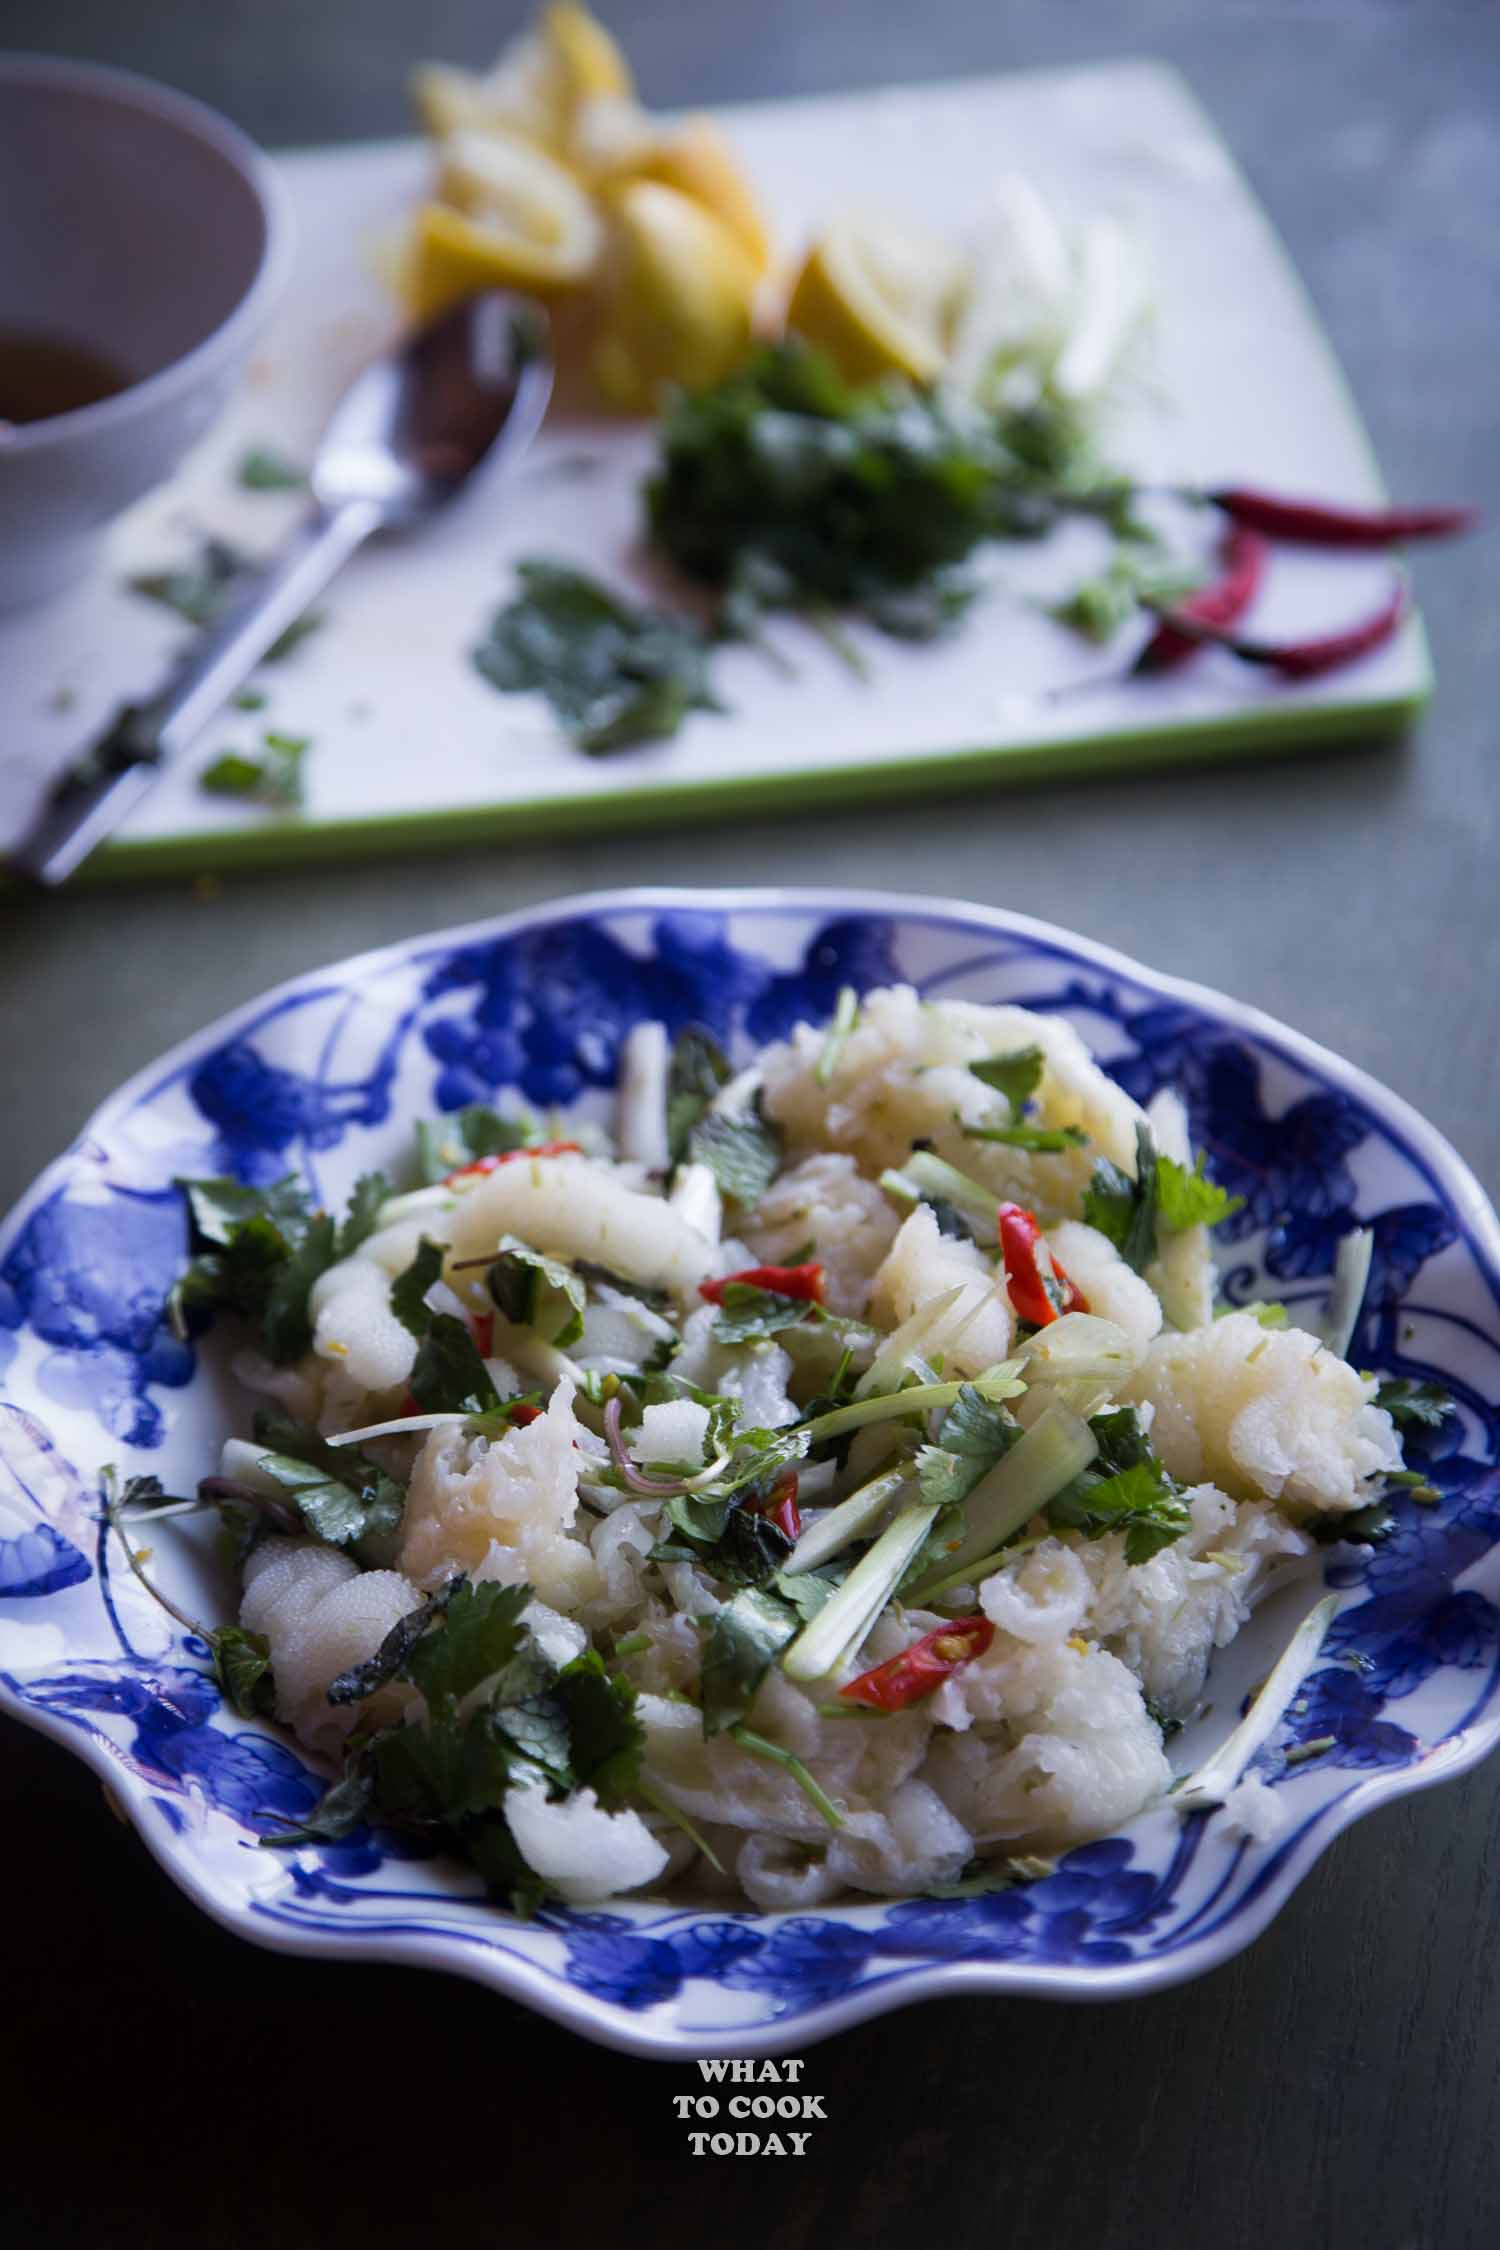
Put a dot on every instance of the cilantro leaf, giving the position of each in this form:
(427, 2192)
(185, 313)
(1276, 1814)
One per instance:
(742, 1148)
(261, 468)
(242, 1667)
(201, 590)
(972, 1437)
(605, 1736)
(1358, 1527)
(1125, 1209)
(478, 1633)
(1016, 1075)
(1411, 1404)
(740, 1644)
(615, 674)
(448, 1375)
(259, 1252)
(371, 1190)
(1124, 1489)
(1188, 1199)
(344, 1498)
(409, 1289)
(747, 1311)
(697, 1068)
(274, 777)
(337, 1813)
(538, 1292)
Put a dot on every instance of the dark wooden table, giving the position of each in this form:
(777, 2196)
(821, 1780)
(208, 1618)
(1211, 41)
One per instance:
(1336, 2087)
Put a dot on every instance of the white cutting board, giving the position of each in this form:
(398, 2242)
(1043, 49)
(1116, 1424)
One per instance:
(411, 745)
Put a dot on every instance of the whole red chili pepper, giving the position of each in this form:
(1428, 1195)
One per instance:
(1243, 556)
(1308, 659)
(1037, 1286)
(784, 1281)
(1315, 523)
(923, 1667)
(780, 1506)
(513, 1156)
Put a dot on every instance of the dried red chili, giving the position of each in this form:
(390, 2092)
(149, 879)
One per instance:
(513, 1156)
(783, 1281)
(1316, 523)
(1307, 659)
(1243, 556)
(1038, 1288)
(922, 1668)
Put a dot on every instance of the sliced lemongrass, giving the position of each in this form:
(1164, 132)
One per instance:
(1056, 1448)
(641, 1104)
(1211, 1783)
(738, 1092)
(696, 1200)
(996, 1383)
(1080, 1346)
(420, 1200)
(816, 1796)
(909, 1342)
(814, 1479)
(845, 1016)
(1351, 1274)
(925, 1177)
(849, 1612)
(971, 1573)
(400, 1425)
(832, 1533)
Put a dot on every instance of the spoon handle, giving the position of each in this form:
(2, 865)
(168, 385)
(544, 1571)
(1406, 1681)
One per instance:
(89, 805)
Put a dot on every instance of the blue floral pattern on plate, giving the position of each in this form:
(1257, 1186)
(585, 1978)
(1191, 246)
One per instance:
(325, 1078)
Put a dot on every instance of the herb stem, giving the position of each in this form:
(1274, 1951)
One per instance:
(817, 1797)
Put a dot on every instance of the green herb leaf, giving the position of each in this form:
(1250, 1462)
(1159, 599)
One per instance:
(201, 590)
(747, 1311)
(972, 1436)
(242, 1667)
(1041, 1140)
(615, 674)
(409, 1289)
(1359, 1527)
(605, 1736)
(448, 1375)
(1411, 1404)
(742, 1149)
(538, 1292)
(446, 1144)
(344, 1498)
(264, 1250)
(740, 1644)
(274, 778)
(1123, 1208)
(262, 469)
(390, 1659)
(1124, 1489)
(338, 1812)
(697, 1068)
(1016, 1075)
(1188, 1199)
(478, 1633)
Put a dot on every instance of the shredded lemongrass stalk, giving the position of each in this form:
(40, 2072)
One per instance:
(832, 1533)
(996, 1383)
(925, 1177)
(849, 1612)
(1056, 1448)
(1211, 1783)
(817, 1797)
(927, 1325)
(401, 1425)
(1351, 1274)
(845, 1016)
(679, 1819)
(1080, 1346)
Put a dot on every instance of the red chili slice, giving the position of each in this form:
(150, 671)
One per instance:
(1037, 1286)
(784, 1281)
(923, 1667)
(780, 1505)
(521, 1414)
(513, 1156)
(483, 1325)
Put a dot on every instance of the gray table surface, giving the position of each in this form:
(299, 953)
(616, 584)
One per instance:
(1335, 2086)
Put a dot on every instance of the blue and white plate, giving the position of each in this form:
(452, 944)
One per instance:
(327, 1075)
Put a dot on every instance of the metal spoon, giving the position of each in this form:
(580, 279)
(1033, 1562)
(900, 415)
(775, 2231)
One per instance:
(405, 438)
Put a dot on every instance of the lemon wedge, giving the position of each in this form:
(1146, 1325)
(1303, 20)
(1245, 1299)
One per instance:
(879, 297)
(538, 87)
(698, 162)
(505, 216)
(678, 297)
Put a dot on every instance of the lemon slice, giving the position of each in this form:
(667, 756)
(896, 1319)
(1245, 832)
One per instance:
(698, 161)
(538, 86)
(507, 216)
(878, 296)
(678, 300)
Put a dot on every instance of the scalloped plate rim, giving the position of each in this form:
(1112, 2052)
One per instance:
(608, 2023)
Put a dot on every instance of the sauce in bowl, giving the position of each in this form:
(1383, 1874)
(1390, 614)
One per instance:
(42, 375)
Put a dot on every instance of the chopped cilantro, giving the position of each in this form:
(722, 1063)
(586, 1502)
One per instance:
(1411, 1404)
(273, 778)
(538, 1292)
(1016, 1075)
(262, 469)
(696, 1069)
(343, 1497)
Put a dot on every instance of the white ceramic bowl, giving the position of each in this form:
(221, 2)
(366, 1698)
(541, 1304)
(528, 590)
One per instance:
(137, 224)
